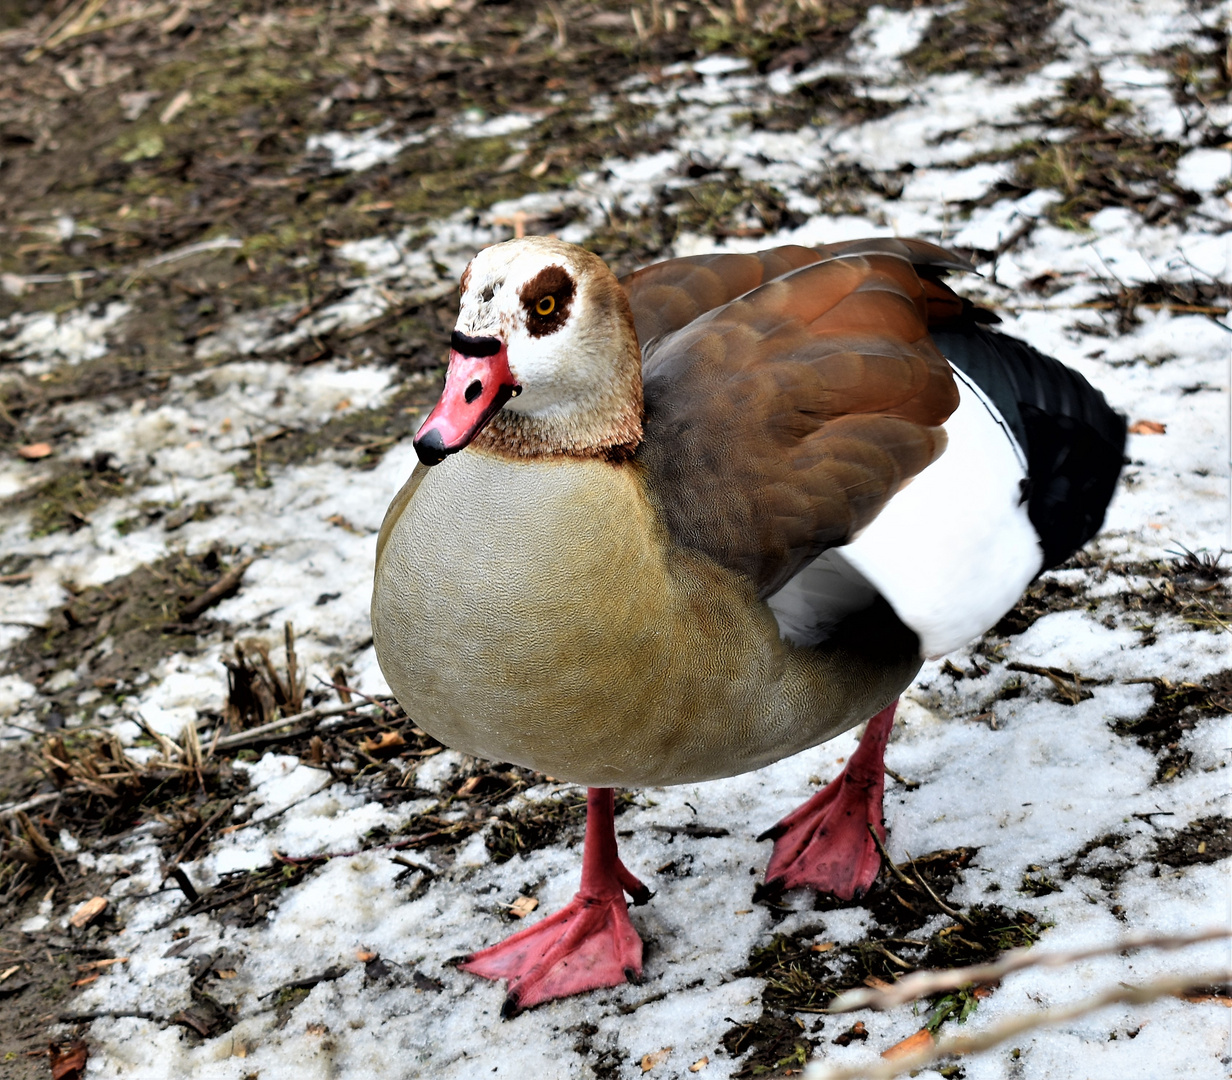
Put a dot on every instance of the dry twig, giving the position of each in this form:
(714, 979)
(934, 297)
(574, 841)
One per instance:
(241, 737)
(1009, 1029)
(925, 983)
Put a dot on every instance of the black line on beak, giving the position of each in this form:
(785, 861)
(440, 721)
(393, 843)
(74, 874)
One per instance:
(474, 346)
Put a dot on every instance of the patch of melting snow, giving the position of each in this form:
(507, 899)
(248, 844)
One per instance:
(360, 150)
(1205, 170)
(888, 33)
(474, 124)
(45, 338)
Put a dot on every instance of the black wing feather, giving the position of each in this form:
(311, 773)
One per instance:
(1073, 439)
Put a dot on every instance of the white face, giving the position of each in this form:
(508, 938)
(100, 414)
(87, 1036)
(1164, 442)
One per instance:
(546, 301)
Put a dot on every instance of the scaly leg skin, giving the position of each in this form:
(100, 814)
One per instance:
(825, 844)
(590, 943)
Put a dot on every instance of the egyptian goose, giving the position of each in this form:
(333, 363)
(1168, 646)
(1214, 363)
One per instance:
(625, 565)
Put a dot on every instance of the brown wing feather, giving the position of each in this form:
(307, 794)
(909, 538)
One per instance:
(669, 295)
(780, 423)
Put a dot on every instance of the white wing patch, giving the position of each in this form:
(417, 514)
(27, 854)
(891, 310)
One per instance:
(951, 552)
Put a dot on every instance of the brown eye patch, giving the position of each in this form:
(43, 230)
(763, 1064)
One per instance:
(547, 298)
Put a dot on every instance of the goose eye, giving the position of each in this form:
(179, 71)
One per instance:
(546, 305)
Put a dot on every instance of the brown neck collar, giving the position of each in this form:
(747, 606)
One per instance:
(612, 437)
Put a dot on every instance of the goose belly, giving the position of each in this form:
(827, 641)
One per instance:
(526, 613)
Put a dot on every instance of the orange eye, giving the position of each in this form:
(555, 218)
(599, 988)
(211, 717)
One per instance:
(546, 305)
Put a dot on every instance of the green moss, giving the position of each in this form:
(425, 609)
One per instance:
(66, 501)
(1006, 38)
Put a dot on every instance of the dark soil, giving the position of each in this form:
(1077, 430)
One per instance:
(1176, 710)
(804, 974)
(1000, 36)
(1206, 840)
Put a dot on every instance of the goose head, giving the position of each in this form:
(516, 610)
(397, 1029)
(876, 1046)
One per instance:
(543, 361)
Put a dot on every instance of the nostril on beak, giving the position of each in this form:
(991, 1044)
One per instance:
(473, 391)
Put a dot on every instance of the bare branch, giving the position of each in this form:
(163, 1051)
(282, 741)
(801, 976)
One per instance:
(923, 983)
(1017, 1025)
(241, 737)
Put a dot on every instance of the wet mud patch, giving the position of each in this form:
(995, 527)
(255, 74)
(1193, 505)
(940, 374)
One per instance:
(66, 500)
(109, 638)
(1000, 37)
(52, 966)
(1192, 587)
(1177, 708)
(1206, 840)
(32, 407)
(1101, 860)
(1044, 596)
(774, 1045)
(804, 972)
(1102, 162)
(541, 823)
(361, 436)
(831, 100)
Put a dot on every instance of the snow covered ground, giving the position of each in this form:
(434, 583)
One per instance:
(1041, 787)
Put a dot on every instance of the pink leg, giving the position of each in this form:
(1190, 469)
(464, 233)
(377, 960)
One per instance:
(825, 843)
(590, 943)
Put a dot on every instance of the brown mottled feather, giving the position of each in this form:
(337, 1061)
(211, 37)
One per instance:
(780, 421)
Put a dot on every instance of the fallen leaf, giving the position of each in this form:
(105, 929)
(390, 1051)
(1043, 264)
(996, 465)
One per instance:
(177, 105)
(34, 451)
(94, 965)
(67, 1063)
(88, 912)
(226, 973)
(523, 906)
(343, 523)
(745, 911)
(363, 956)
(699, 1064)
(1148, 427)
(856, 1033)
(87, 980)
(655, 1059)
(822, 946)
(469, 785)
(912, 1044)
(387, 740)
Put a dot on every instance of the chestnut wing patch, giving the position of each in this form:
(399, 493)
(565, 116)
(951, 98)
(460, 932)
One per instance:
(780, 423)
(669, 295)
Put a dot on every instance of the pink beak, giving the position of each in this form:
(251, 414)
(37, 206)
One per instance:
(477, 385)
